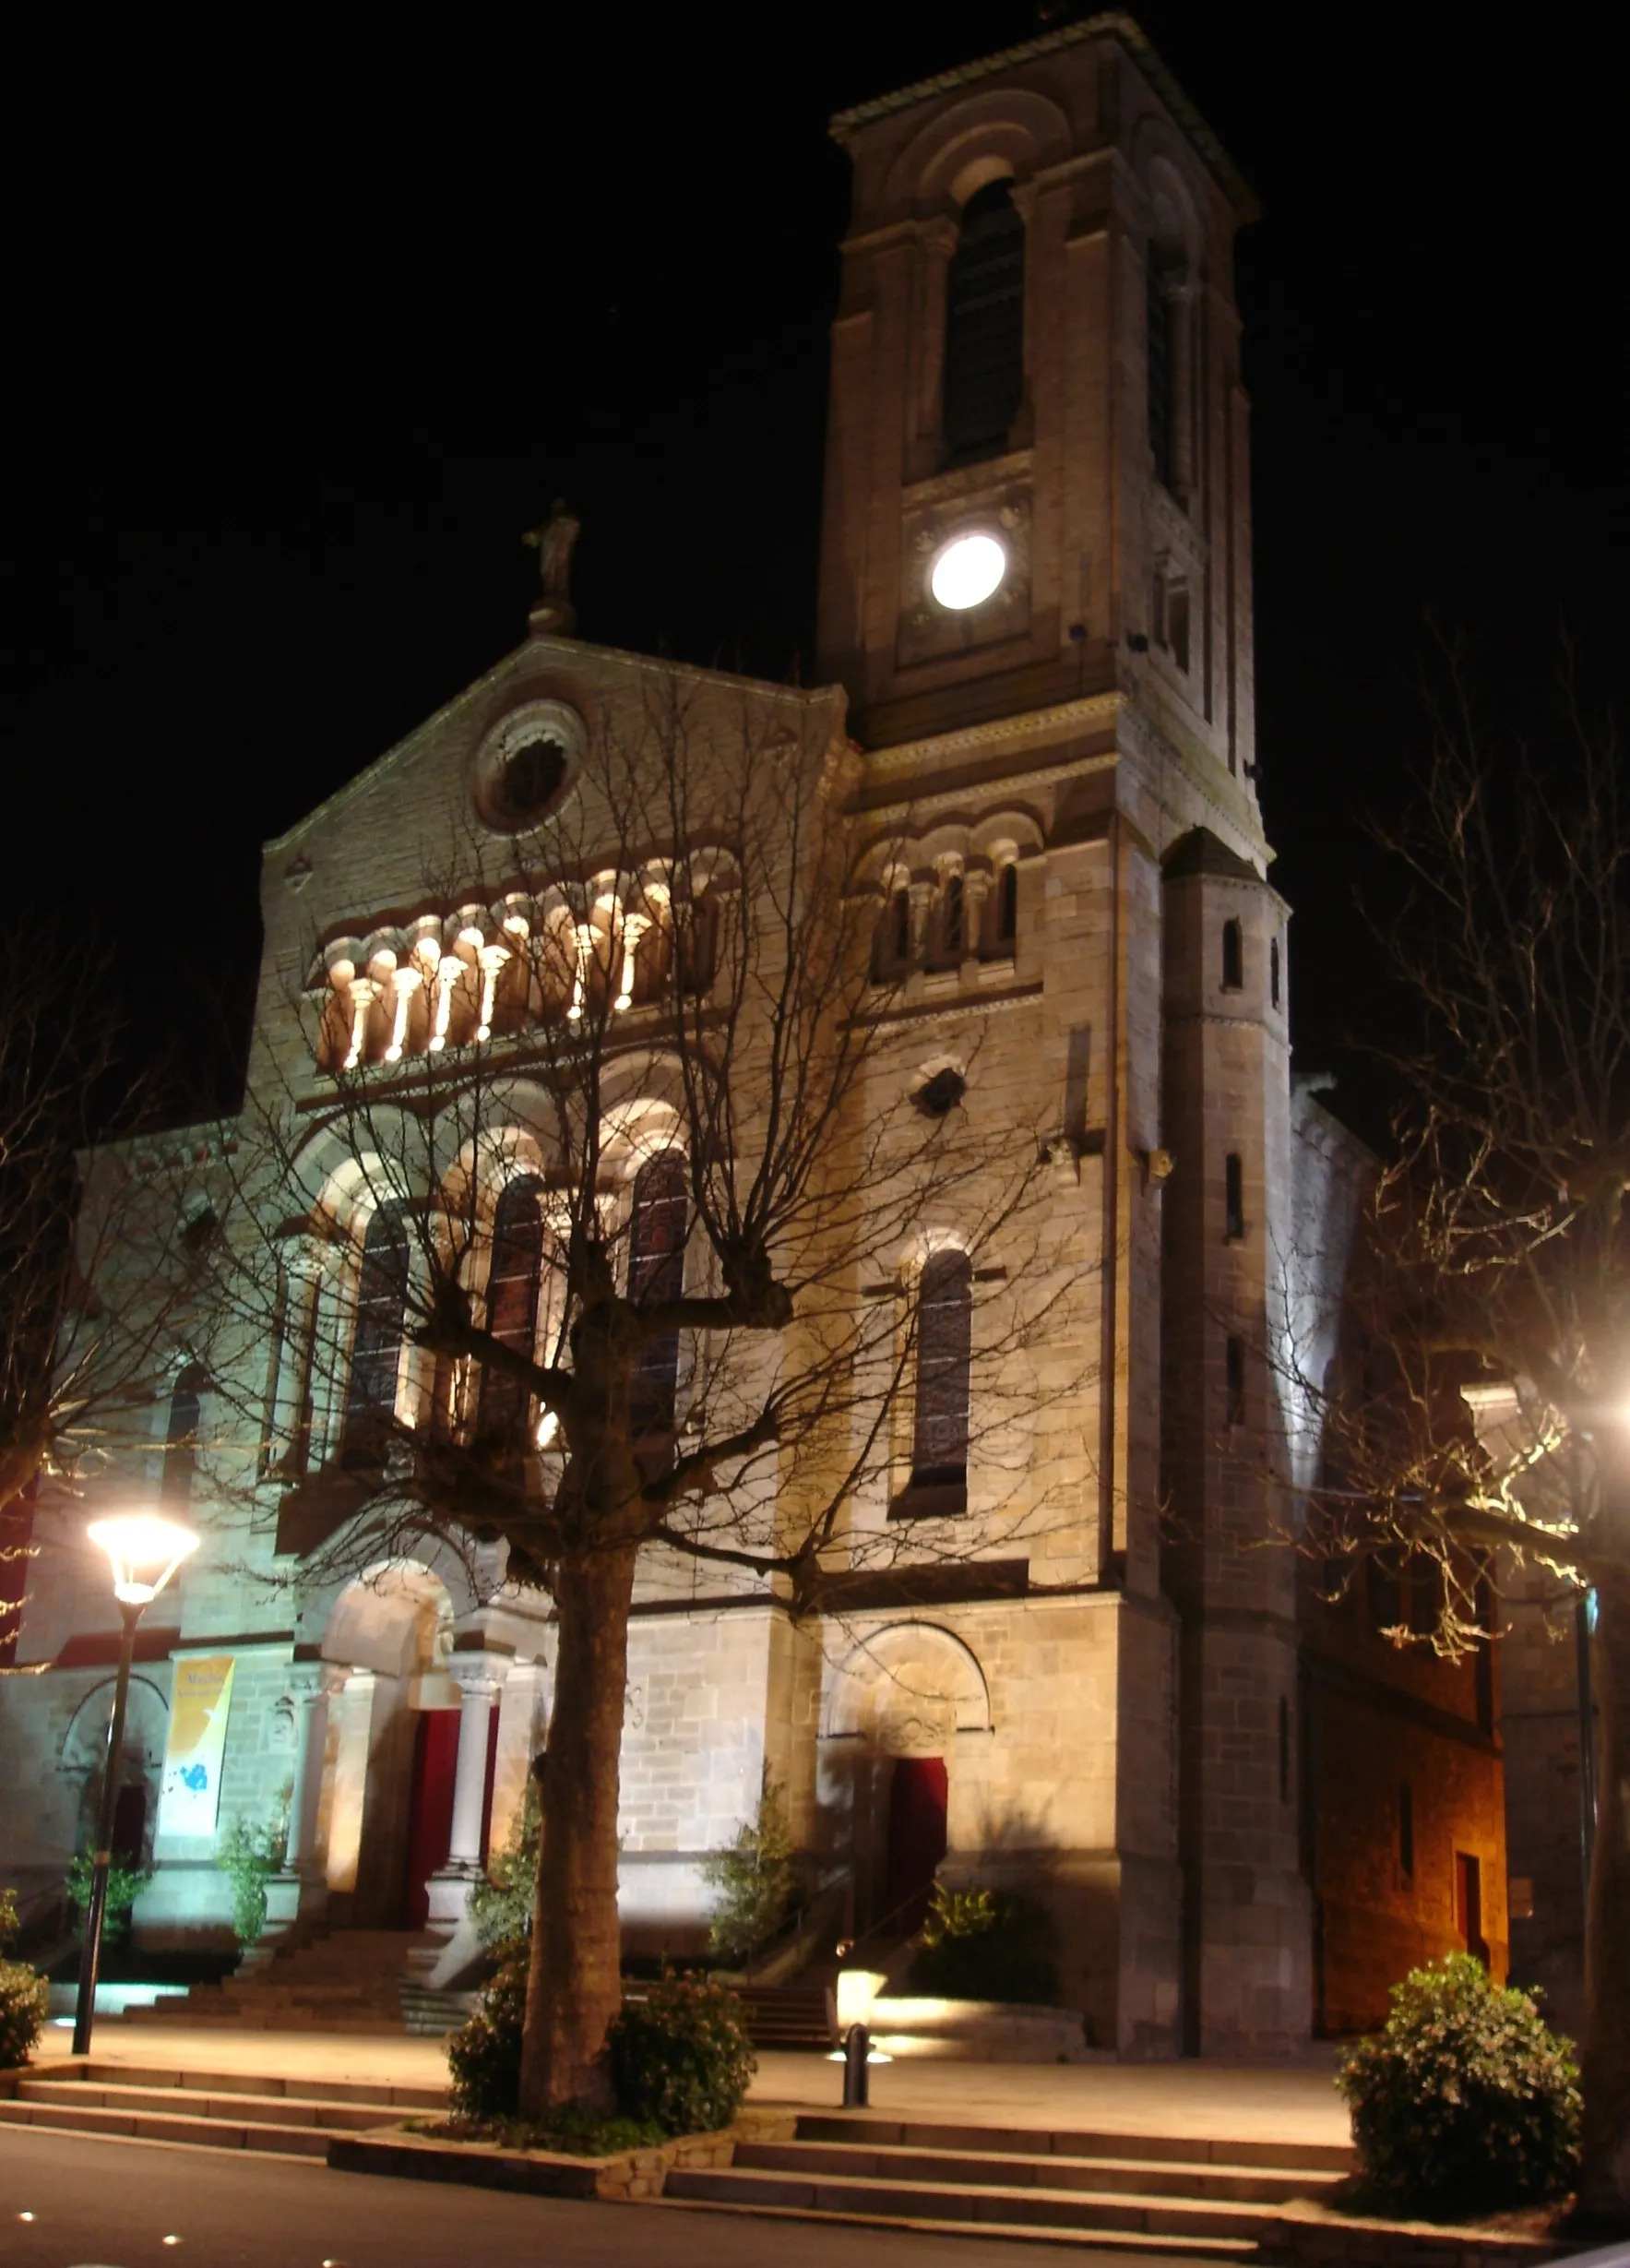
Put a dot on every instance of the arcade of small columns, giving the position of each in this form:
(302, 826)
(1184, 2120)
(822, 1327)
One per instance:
(438, 983)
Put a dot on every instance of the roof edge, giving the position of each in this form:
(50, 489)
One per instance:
(1113, 24)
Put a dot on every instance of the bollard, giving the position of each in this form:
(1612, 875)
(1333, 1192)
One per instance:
(857, 2048)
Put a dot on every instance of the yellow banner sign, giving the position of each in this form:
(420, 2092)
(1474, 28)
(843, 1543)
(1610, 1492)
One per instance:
(198, 1706)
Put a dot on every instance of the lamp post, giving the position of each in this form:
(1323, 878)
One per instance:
(143, 1551)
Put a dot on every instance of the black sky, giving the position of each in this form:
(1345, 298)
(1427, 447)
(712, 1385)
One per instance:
(306, 331)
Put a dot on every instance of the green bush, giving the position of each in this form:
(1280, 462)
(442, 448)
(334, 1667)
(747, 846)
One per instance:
(125, 1885)
(22, 1996)
(252, 1856)
(501, 1903)
(757, 1877)
(484, 2055)
(1466, 2101)
(681, 2057)
(986, 1945)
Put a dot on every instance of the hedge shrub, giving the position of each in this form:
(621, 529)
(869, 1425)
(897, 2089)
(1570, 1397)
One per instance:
(986, 1945)
(681, 2057)
(1465, 2102)
(23, 1997)
(484, 2055)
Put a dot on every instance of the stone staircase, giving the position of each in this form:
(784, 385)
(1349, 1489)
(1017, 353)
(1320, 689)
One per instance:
(785, 2015)
(1140, 2193)
(346, 1980)
(220, 2110)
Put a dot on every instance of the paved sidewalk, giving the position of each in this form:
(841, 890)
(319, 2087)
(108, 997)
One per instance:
(1295, 2102)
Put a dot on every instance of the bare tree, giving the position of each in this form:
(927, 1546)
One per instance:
(1497, 1256)
(685, 983)
(94, 1282)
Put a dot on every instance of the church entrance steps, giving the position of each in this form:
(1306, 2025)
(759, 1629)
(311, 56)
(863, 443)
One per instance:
(216, 2110)
(1156, 2193)
(348, 1980)
(785, 2015)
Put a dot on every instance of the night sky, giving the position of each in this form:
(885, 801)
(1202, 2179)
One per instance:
(304, 335)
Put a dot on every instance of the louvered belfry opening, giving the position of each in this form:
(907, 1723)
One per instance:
(513, 1281)
(945, 1350)
(656, 1271)
(382, 1298)
(984, 323)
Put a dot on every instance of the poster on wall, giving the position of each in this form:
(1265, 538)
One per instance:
(198, 1705)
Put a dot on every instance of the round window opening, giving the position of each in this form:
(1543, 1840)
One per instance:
(532, 778)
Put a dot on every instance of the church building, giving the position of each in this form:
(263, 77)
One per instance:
(1035, 653)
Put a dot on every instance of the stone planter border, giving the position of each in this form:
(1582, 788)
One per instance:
(628, 2175)
(1316, 2237)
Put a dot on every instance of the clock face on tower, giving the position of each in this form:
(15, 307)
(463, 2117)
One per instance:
(968, 569)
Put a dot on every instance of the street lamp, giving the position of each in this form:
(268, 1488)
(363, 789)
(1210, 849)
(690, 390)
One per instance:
(143, 1551)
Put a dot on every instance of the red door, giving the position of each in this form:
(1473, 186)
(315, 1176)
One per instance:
(917, 1800)
(430, 1817)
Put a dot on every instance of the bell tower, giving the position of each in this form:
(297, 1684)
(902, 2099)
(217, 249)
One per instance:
(1037, 480)
(1036, 587)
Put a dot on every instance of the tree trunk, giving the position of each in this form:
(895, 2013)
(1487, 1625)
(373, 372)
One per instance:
(574, 1987)
(1604, 2181)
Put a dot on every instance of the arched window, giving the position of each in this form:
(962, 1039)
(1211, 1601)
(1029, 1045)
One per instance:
(382, 1298)
(181, 1439)
(656, 1271)
(1008, 903)
(984, 322)
(945, 1350)
(1160, 373)
(1234, 957)
(513, 1281)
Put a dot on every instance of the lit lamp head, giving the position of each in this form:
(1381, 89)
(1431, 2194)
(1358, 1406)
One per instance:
(144, 1551)
(968, 570)
(857, 1995)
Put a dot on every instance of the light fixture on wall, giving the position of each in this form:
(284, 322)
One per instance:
(968, 570)
(143, 1551)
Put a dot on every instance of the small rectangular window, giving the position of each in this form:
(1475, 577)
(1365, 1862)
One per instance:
(1384, 1593)
(1234, 1198)
(1236, 1381)
(1424, 1591)
(1405, 1830)
(1234, 957)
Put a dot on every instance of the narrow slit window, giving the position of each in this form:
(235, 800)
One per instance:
(1235, 1380)
(1273, 972)
(984, 322)
(1233, 1197)
(1177, 626)
(1234, 957)
(1405, 1830)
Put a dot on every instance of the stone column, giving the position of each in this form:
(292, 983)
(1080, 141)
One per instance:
(287, 1434)
(469, 1779)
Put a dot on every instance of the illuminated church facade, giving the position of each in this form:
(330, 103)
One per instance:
(1035, 630)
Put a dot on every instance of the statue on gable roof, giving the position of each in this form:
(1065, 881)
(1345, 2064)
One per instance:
(554, 542)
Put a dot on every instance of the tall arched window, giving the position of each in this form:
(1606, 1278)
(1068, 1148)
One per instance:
(513, 1281)
(984, 322)
(656, 1271)
(945, 1352)
(1008, 903)
(1160, 373)
(181, 1439)
(382, 1298)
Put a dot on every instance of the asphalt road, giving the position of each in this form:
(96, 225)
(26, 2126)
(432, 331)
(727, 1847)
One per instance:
(70, 2202)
